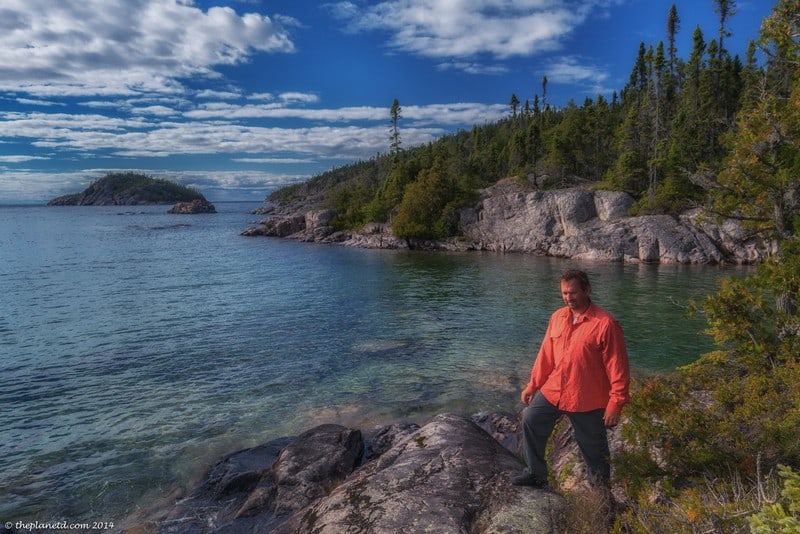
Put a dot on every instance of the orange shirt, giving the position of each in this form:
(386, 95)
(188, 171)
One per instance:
(584, 366)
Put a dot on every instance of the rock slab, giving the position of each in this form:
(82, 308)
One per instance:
(448, 476)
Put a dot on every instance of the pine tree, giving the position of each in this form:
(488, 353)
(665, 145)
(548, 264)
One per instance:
(686, 152)
(759, 179)
(514, 104)
(394, 135)
(725, 9)
(673, 26)
(544, 92)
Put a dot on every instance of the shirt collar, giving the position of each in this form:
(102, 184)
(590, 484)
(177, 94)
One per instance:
(589, 313)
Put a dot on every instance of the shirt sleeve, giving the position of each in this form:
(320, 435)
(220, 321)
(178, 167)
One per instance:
(615, 360)
(545, 360)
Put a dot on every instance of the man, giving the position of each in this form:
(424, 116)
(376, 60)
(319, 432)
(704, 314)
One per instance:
(582, 372)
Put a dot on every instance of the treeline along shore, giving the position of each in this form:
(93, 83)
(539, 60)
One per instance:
(570, 223)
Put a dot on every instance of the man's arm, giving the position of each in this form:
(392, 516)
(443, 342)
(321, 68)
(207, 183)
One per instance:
(542, 367)
(615, 357)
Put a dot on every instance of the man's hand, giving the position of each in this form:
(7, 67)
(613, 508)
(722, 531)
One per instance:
(611, 416)
(527, 396)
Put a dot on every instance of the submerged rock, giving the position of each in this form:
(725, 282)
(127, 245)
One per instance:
(195, 206)
(255, 489)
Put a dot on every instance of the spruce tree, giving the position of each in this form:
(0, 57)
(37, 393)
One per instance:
(394, 134)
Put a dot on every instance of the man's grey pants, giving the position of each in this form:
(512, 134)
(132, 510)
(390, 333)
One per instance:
(538, 420)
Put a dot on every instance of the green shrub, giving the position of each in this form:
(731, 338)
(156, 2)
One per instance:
(698, 440)
(784, 516)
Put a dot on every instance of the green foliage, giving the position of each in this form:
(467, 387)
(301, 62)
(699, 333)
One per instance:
(147, 188)
(782, 517)
(756, 317)
(736, 403)
(698, 440)
(758, 181)
(430, 205)
(718, 505)
(350, 201)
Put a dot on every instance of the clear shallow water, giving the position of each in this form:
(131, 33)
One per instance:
(136, 347)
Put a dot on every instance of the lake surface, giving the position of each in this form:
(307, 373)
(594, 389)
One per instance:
(137, 347)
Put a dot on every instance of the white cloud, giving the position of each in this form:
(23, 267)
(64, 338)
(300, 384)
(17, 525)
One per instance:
(296, 97)
(464, 28)
(100, 136)
(121, 47)
(19, 158)
(158, 111)
(571, 70)
(233, 179)
(473, 68)
(456, 114)
(261, 96)
(285, 161)
(276, 111)
(350, 134)
(219, 95)
(459, 114)
(25, 185)
(32, 102)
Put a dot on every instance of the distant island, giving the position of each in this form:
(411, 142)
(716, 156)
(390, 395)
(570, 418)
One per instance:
(130, 188)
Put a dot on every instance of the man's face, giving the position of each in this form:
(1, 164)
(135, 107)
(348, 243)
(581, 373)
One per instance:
(574, 296)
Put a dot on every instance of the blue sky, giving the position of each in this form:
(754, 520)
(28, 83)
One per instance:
(239, 97)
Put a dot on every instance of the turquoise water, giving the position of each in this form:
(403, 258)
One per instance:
(138, 346)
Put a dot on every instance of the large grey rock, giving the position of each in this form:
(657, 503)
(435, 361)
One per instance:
(612, 205)
(575, 223)
(317, 460)
(254, 490)
(449, 476)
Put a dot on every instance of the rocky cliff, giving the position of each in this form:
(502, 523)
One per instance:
(569, 223)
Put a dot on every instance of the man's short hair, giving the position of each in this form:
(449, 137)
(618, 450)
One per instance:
(575, 274)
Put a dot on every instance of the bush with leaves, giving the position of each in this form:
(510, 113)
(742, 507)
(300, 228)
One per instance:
(731, 415)
(430, 205)
(782, 517)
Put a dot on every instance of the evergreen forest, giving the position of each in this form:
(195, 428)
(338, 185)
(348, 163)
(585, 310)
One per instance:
(659, 138)
(714, 447)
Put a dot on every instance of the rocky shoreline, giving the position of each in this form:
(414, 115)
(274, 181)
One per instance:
(567, 223)
(451, 474)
